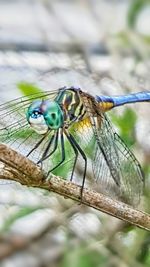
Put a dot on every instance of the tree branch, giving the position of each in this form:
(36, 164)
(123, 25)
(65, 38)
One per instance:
(18, 168)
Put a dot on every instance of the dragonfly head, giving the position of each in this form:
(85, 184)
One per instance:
(44, 115)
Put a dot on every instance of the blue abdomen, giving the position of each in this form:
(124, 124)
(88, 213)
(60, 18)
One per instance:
(125, 99)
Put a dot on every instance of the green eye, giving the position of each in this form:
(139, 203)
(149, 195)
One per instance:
(53, 115)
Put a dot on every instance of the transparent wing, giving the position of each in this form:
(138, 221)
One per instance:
(83, 134)
(13, 115)
(115, 167)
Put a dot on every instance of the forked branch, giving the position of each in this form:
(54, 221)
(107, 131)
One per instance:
(18, 168)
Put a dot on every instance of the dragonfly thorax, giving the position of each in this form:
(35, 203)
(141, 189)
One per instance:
(72, 106)
(44, 115)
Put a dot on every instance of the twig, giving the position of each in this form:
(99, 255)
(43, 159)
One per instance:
(21, 169)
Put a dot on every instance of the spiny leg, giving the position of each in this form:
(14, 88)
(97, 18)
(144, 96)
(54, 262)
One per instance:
(62, 152)
(75, 144)
(75, 151)
(45, 156)
(37, 145)
(46, 150)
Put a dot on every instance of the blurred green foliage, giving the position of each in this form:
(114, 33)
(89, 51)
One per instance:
(126, 125)
(130, 40)
(27, 88)
(21, 212)
(81, 256)
(135, 8)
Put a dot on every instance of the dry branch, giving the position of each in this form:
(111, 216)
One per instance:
(18, 168)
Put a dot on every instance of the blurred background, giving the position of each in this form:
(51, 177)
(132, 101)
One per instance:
(103, 47)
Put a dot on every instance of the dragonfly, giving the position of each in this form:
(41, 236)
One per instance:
(55, 128)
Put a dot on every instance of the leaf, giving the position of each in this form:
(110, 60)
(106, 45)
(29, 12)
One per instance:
(28, 88)
(135, 8)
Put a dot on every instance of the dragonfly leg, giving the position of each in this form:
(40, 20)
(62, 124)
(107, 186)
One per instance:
(76, 146)
(37, 145)
(45, 155)
(62, 153)
(76, 154)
